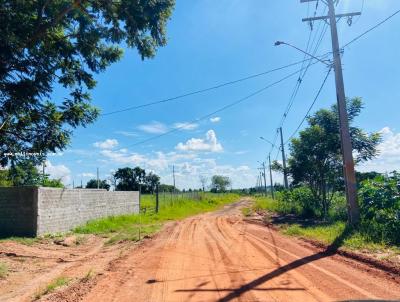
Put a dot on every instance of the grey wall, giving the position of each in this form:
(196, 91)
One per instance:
(18, 208)
(37, 211)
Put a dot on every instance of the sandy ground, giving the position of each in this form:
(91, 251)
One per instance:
(220, 257)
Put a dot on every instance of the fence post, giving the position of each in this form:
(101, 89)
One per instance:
(140, 196)
(157, 198)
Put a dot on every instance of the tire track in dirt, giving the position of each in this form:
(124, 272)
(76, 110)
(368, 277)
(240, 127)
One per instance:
(219, 257)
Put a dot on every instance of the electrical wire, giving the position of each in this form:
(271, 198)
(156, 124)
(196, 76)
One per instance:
(311, 106)
(371, 29)
(205, 89)
(346, 45)
(220, 109)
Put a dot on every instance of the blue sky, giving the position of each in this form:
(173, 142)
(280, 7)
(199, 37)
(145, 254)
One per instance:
(212, 42)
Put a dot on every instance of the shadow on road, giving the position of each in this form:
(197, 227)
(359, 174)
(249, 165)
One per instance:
(253, 285)
(329, 251)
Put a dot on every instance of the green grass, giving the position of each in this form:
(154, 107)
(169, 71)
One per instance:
(22, 240)
(127, 227)
(3, 270)
(326, 233)
(52, 286)
(329, 232)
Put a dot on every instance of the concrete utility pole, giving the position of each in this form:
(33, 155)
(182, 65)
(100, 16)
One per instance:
(265, 179)
(270, 176)
(284, 161)
(347, 149)
(97, 178)
(173, 175)
(43, 170)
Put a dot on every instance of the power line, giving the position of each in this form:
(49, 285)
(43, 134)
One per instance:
(346, 45)
(205, 89)
(311, 106)
(220, 109)
(304, 72)
(372, 28)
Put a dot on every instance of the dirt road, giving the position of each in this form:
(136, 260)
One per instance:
(219, 257)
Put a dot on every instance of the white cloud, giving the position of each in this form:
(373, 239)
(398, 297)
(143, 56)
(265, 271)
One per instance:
(209, 144)
(87, 174)
(215, 119)
(154, 127)
(58, 172)
(186, 126)
(389, 153)
(123, 158)
(107, 144)
(127, 133)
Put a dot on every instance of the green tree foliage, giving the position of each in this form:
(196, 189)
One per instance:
(361, 176)
(167, 188)
(103, 184)
(5, 179)
(64, 42)
(53, 183)
(128, 179)
(25, 173)
(220, 183)
(380, 208)
(315, 157)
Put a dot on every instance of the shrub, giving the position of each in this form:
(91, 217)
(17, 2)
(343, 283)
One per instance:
(300, 201)
(380, 208)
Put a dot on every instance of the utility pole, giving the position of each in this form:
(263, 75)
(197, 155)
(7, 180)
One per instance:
(97, 178)
(347, 149)
(270, 176)
(284, 161)
(265, 180)
(43, 170)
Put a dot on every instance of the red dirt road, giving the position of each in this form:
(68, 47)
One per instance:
(220, 257)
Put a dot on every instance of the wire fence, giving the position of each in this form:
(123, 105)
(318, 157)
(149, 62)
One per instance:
(148, 202)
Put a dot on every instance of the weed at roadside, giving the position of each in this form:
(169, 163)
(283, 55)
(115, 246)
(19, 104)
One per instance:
(3, 270)
(51, 287)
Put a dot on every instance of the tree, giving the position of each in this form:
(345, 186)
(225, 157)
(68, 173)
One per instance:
(128, 179)
(315, 157)
(203, 181)
(167, 188)
(25, 173)
(151, 181)
(52, 183)
(46, 43)
(5, 178)
(103, 184)
(220, 183)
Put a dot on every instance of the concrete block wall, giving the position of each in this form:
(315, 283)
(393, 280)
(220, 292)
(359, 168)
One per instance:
(37, 211)
(18, 208)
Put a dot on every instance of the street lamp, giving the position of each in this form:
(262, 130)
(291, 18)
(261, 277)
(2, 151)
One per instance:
(326, 62)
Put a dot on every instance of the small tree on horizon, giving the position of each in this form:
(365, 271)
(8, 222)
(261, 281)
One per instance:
(220, 183)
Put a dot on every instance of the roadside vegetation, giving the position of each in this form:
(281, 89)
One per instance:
(3, 270)
(379, 228)
(52, 286)
(134, 227)
(314, 205)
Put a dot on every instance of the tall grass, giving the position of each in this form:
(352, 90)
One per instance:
(325, 232)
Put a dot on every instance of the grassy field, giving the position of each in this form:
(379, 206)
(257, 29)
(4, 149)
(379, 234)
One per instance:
(134, 227)
(325, 232)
